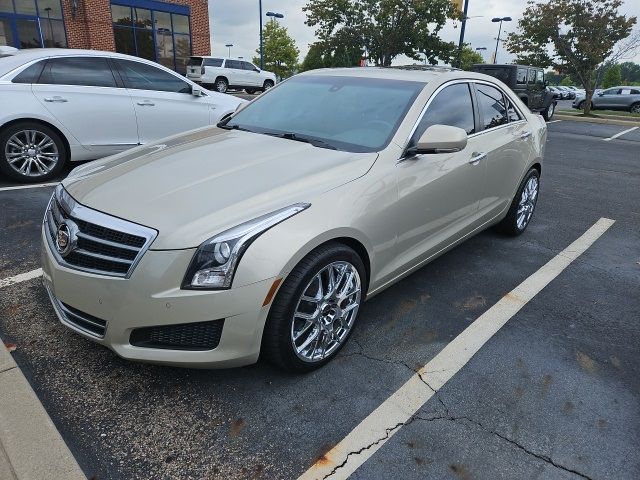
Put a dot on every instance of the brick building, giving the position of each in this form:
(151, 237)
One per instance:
(167, 32)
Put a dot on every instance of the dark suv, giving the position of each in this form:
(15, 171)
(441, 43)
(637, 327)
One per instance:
(527, 82)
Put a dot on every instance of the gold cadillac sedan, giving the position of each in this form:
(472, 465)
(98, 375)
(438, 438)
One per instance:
(264, 235)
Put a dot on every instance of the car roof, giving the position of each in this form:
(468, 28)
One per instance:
(21, 57)
(424, 75)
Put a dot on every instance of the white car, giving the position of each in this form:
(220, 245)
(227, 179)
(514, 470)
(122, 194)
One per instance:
(224, 73)
(61, 105)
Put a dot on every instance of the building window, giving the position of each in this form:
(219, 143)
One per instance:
(32, 24)
(153, 30)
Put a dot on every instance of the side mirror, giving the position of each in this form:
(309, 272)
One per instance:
(256, 70)
(601, 94)
(440, 139)
(196, 92)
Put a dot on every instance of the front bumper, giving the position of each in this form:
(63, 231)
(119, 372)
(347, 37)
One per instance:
(152, 297)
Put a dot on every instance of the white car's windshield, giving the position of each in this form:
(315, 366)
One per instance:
(340, 112)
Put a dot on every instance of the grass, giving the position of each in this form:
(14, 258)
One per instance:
(600, 113)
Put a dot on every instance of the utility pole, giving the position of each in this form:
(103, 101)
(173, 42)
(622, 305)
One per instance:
(261, 48)
(462, 27)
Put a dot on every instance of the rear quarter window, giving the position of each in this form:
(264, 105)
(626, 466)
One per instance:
(212, 62)
(31, 74)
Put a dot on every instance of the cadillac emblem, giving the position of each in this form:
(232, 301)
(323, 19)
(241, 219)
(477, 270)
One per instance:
(66, 238)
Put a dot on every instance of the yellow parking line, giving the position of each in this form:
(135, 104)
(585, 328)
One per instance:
(386, 420)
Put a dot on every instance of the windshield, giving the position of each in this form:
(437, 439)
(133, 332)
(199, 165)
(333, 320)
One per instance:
(346, 113)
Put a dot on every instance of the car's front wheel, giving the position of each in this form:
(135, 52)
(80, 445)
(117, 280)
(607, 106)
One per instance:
(635, 108)
(522, 206)
(316, 309)
(31, 152)
(267, 85)
(548, 113)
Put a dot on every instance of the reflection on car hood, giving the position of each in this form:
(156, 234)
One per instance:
(194, 185)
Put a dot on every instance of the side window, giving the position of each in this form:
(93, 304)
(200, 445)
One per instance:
(512, 112)
(140, 76)
(235, 64)
(452, 106)
(522, 76)
(612, 91)
(634, 92)
(212, 62)
(248, 66)
(540, 77)
(532, 75)
(86, 71)
(31, 74)
(493, 112)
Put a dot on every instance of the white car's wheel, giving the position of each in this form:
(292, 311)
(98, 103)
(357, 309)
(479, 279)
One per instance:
(221, 85)
(267, 85)
(316, 309)
(31, 152)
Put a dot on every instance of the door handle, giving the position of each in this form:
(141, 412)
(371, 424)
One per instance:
(476, 157)
(55, 99)
(146, 103)
(525, 135)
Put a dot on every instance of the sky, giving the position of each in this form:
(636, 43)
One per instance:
(236, 22)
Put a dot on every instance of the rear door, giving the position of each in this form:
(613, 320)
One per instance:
(608, 99)
(163, 101)
(507, 140)
(82, 94)
(253, 78)
(236, 72)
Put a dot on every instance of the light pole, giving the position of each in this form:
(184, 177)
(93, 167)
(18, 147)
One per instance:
(496, 20)
(272, 15)
(229, 45)
(48, 10)
(462, 27)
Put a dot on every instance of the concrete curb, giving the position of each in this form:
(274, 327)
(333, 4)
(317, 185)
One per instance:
(606, 121)
(31, 447)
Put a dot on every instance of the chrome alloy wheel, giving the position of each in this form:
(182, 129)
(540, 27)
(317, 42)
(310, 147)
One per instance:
(31, 153)
(326, 311)
(527, 203)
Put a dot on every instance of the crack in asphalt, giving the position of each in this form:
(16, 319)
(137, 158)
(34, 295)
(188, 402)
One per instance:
(447, 417)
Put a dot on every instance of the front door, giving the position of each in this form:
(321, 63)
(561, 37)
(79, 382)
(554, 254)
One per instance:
(82, 94)
(438, 194)
(163, 101)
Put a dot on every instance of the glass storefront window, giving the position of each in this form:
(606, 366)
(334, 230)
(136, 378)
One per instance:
(6, 6)
(162, 36)
(28, 33)
(6, 35)
(50, 9)
(26, 7)
(53, 33)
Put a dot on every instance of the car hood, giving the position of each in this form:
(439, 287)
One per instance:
(192, 186)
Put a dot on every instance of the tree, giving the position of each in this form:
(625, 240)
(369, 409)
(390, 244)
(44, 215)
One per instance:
(314, 58)
(566, 81)
(468, 57)
(385, 28)
(573, 36)
(630, 72)
(280, 50)
(612, 77)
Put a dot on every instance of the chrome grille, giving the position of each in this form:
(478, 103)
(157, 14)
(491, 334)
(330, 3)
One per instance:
(101, 243)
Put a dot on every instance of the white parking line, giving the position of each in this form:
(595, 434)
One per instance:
(385, 421)
(22, 187)
(554, 121)
(21, 277)
(620, 134)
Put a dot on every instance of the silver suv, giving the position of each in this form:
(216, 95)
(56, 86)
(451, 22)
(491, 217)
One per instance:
(616, 98)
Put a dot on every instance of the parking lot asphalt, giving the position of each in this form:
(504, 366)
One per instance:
(554, 394)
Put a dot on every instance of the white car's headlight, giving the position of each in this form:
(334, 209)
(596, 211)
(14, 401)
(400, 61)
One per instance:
(214, 263)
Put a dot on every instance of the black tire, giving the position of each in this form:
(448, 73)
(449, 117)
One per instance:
(277, 344)
(509, 224)
(250, 91)
(267, 85)
(547, 114)
(32, 175)
(221, 85)
(635, 108)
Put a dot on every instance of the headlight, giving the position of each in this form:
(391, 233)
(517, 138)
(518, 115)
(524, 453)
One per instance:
(214, 263)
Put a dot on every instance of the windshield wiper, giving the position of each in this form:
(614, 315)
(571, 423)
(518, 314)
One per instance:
(226, 126)
(316, 142)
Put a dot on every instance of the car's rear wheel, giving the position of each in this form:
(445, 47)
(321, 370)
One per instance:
(316, 309)
(221, 85)
(548, 113)
(267, 85)
(31, 152)
(635, 108)
(522, 206)
(250, 91)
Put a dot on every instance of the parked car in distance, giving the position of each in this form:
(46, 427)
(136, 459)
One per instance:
(264, 236)
(616, 98)
(568, 93)
(557, 94)
(221, 74)
(527, 82)
(61, 105)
